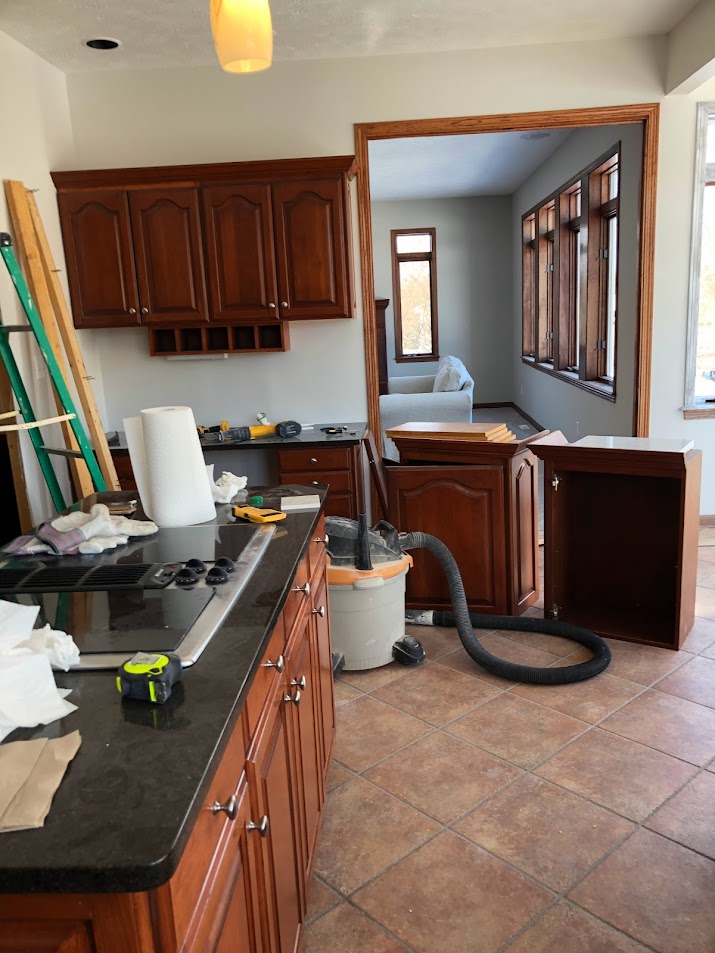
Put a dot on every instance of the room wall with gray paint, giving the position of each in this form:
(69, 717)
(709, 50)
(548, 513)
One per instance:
(474, 284)
(555, 403)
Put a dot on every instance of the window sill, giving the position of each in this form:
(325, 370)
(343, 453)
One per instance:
(416, 358)
(597, 388)
(699, 412)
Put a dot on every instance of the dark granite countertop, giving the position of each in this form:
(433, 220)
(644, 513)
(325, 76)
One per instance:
(126, 807)
(354, 433)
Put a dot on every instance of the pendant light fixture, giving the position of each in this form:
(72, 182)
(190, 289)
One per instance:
(243, 34)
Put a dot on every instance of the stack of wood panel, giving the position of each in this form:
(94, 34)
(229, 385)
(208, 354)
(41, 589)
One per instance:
(484, 433)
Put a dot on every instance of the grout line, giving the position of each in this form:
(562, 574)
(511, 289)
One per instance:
(368, 916)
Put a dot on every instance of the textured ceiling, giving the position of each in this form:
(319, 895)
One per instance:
(174, 33)
(491, 163)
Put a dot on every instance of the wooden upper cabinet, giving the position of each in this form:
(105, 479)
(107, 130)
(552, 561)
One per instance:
(312, 253)
(240, 253)
(168, 249)
(97, 237)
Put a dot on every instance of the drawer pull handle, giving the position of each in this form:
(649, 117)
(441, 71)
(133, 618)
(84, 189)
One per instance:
(305, 589)
(322, 539)
(230, 807)
(284, 304)
(319, 611)
(313, 459)
(279, 664)
(132, 311)
(293, 698)
(263, 827)
(298, 682)
(271, 305)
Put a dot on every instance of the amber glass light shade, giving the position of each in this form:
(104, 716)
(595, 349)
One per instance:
(243, 34)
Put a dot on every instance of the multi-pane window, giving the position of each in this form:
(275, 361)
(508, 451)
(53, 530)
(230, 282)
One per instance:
(414, 276)
(700, 374)
(571, 315)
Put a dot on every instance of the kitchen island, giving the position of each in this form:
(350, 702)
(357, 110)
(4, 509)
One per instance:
(192, 825)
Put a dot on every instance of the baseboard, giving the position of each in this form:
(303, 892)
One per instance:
(707, 520)
(534, 423)
(498, 403)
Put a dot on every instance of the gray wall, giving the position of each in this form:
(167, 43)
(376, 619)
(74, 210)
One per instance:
(474, 284)
(554, 403)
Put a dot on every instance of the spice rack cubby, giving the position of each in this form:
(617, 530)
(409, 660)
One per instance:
(211, 339)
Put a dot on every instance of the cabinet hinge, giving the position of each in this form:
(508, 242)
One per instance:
(555, 609)
(555, 481)
(601, 345)
(603, 253)
(549, 268)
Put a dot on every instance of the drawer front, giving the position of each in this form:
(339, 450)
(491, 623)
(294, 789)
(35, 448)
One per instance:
(197, 870)
(317, 547)
(265, 677)
(296, 599)
(339, 481)
(334, 458)
(123, 466)
(341, 504)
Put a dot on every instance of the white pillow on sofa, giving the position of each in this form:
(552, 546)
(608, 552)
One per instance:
(451, 375)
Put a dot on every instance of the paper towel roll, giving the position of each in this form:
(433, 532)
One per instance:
(169, 466)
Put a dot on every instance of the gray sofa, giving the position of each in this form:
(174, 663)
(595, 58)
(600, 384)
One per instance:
(412, 399)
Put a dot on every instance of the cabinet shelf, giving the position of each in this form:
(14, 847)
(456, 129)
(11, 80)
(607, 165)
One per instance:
(232, 339)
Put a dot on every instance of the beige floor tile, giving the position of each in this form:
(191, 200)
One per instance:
(438, 640)
(451, 897)
(368, 730)
(553, 644)
(689, 817)
(669, 724)
(701, 637)
(642, 663)
(619, 774)
(520, 652)
(320, 899)
(436, 694)
(705, 602)
(346, 930)
(656, 891)
(367, 680)
(695, 681)
(551, 834)
(517, 730)
(706, 576)
(442, 776)
(364, 831)
(590, 701)
(566, 929)
(344, 692)
(337, 773)
(460, 661)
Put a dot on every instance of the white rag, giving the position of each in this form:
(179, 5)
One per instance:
(92, 532)
(227, 485)
(28, 694)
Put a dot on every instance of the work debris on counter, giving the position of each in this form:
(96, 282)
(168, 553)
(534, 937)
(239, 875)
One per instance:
(30, 773)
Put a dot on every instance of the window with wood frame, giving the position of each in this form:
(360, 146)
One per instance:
(414, 280)
(570, 290)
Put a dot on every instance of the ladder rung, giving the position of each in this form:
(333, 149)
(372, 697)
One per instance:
(16, 327)
(34, 424)
(63, 452)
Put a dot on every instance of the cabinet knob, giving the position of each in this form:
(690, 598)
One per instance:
(145, 311)
(284, 304)
(271, 304)
(305, 589)
(322, 539)
(263, 826)
(279, 664)
(132, 311)
(298, 682)
(319, 611)
(313, 460)
(293, 698)
(230, 807)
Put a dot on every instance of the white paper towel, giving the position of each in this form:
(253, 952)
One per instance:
(169, 466)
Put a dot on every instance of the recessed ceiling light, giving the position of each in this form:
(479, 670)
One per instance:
(102, 43)
(530, 136)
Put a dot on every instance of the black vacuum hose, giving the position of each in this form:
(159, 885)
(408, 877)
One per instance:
(465, 624)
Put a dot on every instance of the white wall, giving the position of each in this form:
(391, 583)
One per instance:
(474, 283)
(554, 403)
(37, 137)
(308, 108)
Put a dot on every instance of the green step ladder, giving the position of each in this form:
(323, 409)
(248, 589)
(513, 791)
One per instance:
(35, 327)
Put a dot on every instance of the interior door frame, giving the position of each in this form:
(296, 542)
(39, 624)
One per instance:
(646, 113)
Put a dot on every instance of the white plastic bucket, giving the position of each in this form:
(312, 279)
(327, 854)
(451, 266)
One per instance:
(367, 613)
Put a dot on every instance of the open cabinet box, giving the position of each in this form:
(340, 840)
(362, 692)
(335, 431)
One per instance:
(621, 523)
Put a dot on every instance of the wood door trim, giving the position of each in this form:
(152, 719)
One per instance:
(645, 113)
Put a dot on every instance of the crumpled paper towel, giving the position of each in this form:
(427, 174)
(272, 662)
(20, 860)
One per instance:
(28, 694)
(227, 485)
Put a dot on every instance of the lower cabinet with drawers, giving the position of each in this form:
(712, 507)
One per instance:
(339, 468)
(242, 883)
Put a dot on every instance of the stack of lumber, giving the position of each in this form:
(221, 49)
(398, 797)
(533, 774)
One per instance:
(473, 433)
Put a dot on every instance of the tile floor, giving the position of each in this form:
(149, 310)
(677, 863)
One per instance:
(466, 814)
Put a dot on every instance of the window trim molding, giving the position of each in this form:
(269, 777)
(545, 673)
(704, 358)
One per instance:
(692, 408)
(400, 356)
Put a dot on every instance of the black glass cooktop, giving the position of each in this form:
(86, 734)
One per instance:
(129, 620)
